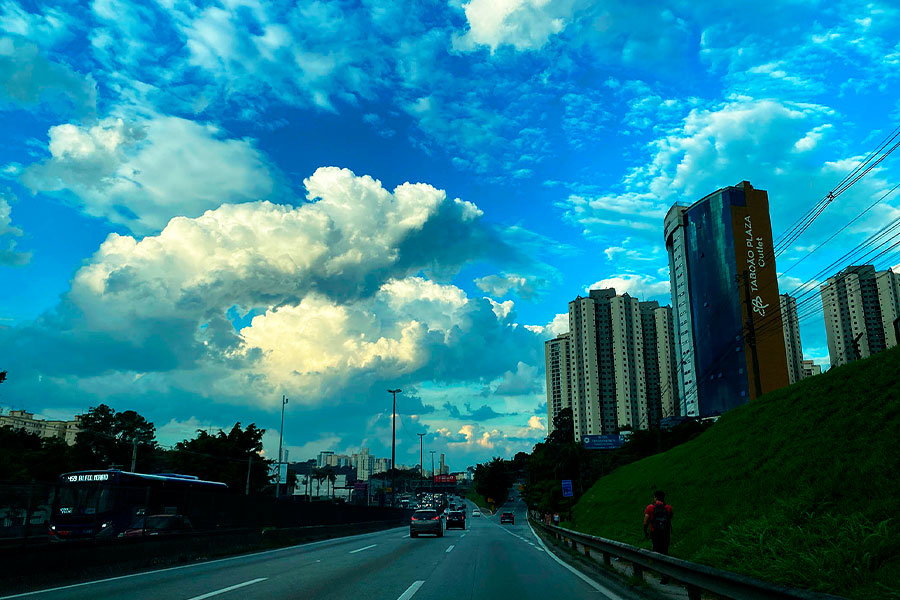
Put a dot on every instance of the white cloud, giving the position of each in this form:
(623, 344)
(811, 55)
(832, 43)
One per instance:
(28, 77)
(330, 283)
(142, 174)
(643, 287)
(523, 24)
(500, 285)
(9, 256)
(47, 27)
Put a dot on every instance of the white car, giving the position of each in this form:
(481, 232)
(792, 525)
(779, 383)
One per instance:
(476, 513)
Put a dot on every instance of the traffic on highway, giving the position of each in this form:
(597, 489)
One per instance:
(481, 560)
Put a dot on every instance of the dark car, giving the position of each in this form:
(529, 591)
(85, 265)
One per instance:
(158, 525)
(426, 521)
(507, 517)
(456, 518)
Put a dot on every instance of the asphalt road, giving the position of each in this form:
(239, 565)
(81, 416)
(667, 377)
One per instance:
(487, 561)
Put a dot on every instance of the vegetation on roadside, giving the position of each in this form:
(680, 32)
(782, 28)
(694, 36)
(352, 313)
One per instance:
(798, 487)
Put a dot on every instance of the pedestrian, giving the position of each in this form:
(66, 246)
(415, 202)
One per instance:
(658, 518)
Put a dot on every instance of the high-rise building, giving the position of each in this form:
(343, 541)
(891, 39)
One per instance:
(730, 341)
(791, 328)
(324, 459)
(614, 362)
(809, 368)
(381, 465)
(558, 372)
(862, 312)
(444, 469)
(365, 465)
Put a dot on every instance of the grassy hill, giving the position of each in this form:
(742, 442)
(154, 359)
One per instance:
(800, 487)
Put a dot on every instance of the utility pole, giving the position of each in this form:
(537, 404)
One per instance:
(249, 466)
(280, 439)
(393, 445)
(421, 458)
(133, 453)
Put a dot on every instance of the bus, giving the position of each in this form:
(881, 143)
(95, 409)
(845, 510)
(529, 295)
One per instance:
(104, 503)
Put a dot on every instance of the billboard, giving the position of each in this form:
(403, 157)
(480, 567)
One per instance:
(758, 290)
(445, 478)
(603, 442)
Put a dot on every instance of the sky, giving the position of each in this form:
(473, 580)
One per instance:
(206, 207)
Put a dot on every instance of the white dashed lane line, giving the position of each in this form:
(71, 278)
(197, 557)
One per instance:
(411, 590)
(450, 548)
(228, 589)
(361, 549)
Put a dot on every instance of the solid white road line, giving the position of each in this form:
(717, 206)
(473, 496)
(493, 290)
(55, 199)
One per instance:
(450, 548)
(411, 590)
(334, 541)
(361, 549)
(606, 592)
(228, 589)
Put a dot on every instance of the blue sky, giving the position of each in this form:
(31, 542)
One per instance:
(206, 206)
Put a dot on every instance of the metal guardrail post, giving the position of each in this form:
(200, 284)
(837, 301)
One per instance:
(696, 578)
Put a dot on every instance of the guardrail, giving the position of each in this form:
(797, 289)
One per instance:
(696, 578)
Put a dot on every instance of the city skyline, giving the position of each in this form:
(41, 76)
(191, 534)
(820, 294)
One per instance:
(245, 202)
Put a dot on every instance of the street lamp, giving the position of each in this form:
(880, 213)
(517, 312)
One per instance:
(280, 438)
(393, 443)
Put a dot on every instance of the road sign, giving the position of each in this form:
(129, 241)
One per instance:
(567, 488)
(279, 471)
(603, 442)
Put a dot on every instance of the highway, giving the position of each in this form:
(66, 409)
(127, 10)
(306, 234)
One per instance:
(487, 561)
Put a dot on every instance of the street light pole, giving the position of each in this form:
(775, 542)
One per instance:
(432, 471)
(280, 439)
(393, 445)
(421, 458)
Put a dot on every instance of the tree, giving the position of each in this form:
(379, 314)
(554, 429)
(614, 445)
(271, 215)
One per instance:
(225, 457)
(110, 436)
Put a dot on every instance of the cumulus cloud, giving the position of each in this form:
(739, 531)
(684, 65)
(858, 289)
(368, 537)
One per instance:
(557, 326)
(330, 283)
(141, 174)
(639, 286)
(9, 256)
(28, 78)
(525, 380)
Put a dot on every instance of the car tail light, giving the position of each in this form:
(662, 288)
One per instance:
(436, 518)
(414, 519)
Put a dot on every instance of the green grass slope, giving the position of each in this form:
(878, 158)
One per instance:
(800, 487)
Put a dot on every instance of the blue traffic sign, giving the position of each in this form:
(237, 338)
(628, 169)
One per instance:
(603, 442)
(567, 488)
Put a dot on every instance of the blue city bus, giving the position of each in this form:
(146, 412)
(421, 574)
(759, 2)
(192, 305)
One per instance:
(101, 503)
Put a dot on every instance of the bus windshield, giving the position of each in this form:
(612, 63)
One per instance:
(84, 499)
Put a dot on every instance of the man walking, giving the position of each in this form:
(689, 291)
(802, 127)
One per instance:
(658, 517)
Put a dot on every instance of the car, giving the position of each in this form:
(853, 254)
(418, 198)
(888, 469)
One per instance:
(158, 525)
(456, 518)
(426, 521)
(476, 513)
(507, 517)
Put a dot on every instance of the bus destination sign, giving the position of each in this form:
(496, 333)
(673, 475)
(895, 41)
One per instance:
(88, 477)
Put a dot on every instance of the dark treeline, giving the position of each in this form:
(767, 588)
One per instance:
(560, 457)
(108, 438)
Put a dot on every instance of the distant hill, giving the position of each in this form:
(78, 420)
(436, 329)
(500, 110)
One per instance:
(800, 487)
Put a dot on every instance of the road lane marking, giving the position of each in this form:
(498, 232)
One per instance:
(411, 590)
(361, 549)
(329, 542)
(450, 548)
(228, 589)
(606, 592)
(462, 536)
